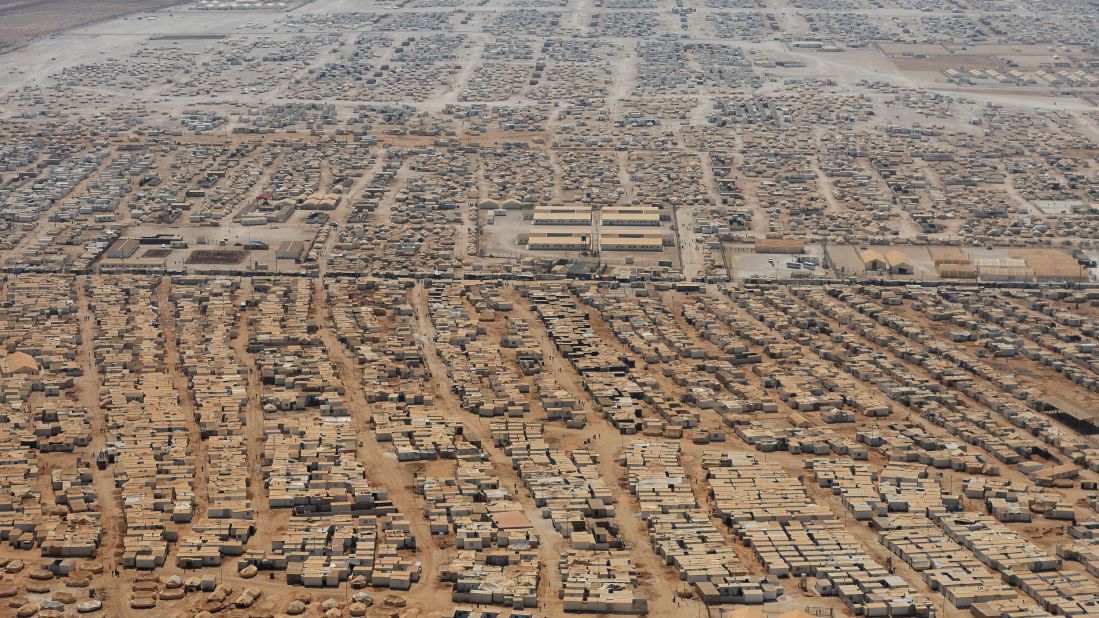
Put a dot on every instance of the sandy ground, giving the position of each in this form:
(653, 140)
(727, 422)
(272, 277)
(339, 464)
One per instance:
(21, 20)
(38, 39)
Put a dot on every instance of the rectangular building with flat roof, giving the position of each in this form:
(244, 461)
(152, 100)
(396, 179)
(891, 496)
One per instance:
(562, 215)
(647, 215)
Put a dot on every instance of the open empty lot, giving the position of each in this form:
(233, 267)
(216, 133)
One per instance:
(21, 20)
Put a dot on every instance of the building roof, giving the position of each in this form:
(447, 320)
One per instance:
(631, 240)
(779, 245)
(631, 216)
(561, 231)
(559, 217)
(639, 233)
(896, 258)
(949, 255)
(510, 520)
(869, 255)
(295, 247)
(18, 363)
(558, 240)
(560, 209)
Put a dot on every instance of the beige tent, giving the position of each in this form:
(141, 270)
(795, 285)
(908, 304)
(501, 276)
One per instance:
(18, 363)
(899, 263)
(873, 260)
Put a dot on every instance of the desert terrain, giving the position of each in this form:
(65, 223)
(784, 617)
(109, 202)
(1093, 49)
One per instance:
(533, 308)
